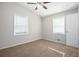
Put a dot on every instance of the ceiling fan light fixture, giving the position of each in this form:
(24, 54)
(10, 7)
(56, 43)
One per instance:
(39, 3)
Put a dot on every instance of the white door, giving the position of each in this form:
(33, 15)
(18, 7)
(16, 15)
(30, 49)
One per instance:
(72, 30)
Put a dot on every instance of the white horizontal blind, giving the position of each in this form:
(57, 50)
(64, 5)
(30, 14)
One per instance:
(59, 25)
(20, 25)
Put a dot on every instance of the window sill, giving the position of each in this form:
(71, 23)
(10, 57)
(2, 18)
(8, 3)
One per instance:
(22, 33)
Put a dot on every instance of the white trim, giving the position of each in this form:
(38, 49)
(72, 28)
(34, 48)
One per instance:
(13, 45)
(54, 41)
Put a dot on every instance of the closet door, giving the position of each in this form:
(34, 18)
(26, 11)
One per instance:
(72, 30)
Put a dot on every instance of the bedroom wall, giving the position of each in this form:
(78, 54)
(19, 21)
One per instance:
(47, 27)
(7, 38)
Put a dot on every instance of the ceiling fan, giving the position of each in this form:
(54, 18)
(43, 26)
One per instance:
(40, 3)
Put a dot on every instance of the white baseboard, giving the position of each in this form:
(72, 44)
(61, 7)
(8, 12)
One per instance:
(13, 45)
(58, 42)
(54, 41)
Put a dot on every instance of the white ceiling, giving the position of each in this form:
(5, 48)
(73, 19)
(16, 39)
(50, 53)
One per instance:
(53, 7)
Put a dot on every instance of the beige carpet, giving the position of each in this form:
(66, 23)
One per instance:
(40, 48)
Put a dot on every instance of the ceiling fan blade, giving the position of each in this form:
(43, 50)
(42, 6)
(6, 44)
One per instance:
(31, 3)
(44, 7)
(36, 8)
(46, 2)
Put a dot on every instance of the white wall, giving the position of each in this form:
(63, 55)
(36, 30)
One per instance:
(7, 38)
(47, 28)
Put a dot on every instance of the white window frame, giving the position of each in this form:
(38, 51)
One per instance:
(54, 29)
(26, 25)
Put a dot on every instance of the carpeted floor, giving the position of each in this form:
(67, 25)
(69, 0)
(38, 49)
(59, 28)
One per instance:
(40, 48)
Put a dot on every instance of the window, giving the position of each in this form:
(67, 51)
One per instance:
(20, 25)
(59, 25)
